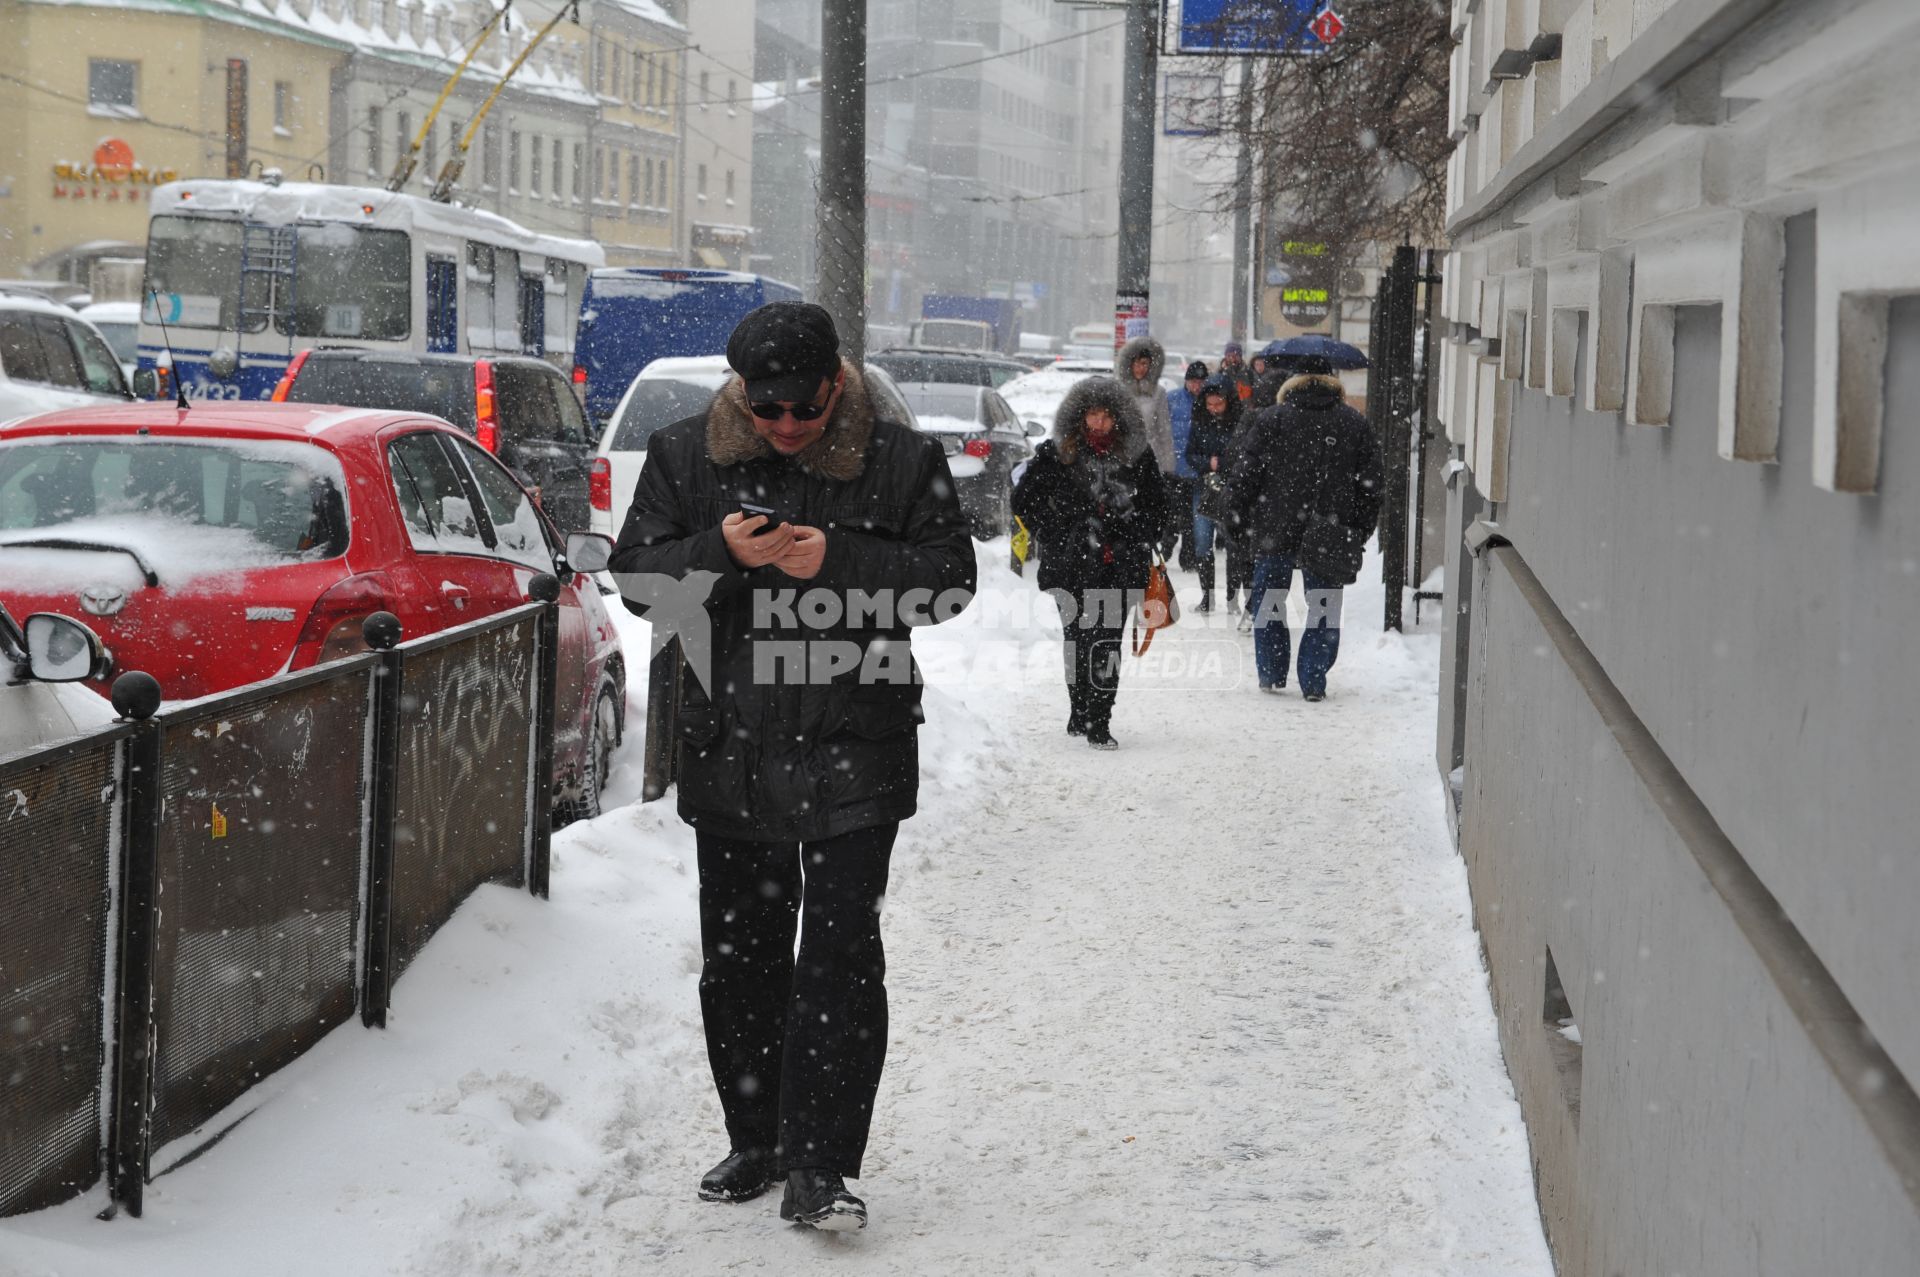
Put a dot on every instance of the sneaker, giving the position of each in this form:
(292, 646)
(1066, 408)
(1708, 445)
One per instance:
(1313, 696)
(741, 1177)
(819, 1199)
(1101, 738)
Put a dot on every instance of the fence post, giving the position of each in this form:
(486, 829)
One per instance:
(382, 631)
(130, 1126)
(545, 589)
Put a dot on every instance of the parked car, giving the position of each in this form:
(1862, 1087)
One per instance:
(983, 441)
(42, 657)
(119, 324)
(523, 411)
(1037, 396)
(225, 545)
(50, 358)
(666, 391)
(960, 368)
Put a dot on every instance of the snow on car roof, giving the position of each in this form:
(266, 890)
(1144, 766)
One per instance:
(111, 312)
(710, 371)
(33, 301)
(257, 419)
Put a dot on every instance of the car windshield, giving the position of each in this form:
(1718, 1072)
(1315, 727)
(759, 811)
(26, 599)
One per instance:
(187, 508)
(962, 402)
(399, 383)
(931, 368)
(653, 404)
(124, 338)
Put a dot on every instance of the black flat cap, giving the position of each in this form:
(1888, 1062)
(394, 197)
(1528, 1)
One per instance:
(783, 351)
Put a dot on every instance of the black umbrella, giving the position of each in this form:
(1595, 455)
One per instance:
(1337, 353)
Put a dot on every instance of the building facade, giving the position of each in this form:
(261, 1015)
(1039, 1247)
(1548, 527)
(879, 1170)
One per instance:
(1681, 376)
(716, 175)
(637, 75)
(104, 103)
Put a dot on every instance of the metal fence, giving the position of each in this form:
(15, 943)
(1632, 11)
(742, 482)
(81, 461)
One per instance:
(307, 835)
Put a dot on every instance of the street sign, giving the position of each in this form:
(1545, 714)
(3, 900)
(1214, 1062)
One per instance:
(1191, 103)
(1273, 28)
(1129, 317)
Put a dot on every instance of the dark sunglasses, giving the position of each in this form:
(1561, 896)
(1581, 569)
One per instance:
(775, 411)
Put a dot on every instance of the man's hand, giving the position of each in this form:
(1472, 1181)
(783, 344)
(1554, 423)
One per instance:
(806, 551)
(750, 551)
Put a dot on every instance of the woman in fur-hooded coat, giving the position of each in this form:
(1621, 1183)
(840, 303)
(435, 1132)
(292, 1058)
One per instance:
(1149, 396)
(1097, 504)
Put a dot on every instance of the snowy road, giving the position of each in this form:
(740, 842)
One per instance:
(1211, 1004)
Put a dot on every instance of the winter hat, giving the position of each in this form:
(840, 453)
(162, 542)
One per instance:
(1312, 366)
(1233, 348)
(1197, 371)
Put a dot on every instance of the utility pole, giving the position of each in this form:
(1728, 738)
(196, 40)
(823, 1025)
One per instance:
(840, 243)
(1138, 124)
(1243, 284)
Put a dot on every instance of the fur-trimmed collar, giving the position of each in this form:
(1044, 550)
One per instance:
(1313, 380)
(1070, 421)
(839, 454)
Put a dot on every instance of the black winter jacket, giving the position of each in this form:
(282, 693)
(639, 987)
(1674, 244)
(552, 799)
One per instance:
(1097, 517)
(765, 751)
(1309, 455)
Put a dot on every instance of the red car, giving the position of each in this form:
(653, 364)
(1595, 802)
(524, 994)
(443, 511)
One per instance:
(223, 545)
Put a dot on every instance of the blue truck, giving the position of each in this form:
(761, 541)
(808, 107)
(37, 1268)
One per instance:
(1000, 315)
(633, 315)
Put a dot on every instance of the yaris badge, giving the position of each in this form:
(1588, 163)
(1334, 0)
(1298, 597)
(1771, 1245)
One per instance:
(103, 600)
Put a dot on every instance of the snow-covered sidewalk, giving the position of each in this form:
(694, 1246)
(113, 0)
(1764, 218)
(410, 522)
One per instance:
(1209, 1004)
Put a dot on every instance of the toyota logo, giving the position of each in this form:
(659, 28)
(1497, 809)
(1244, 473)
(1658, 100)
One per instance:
(103, 600)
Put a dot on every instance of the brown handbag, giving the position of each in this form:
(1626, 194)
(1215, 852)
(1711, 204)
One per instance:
(1158, 606)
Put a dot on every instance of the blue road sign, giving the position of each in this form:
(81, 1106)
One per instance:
(1272, 27)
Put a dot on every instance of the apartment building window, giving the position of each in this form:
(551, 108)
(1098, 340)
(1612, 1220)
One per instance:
(614, 76)
(432, 159)
(513, 160)
(599, 60)
(733, 98)
(729, 188)
(579, 164)
(489, 158)
(700, 183)
(704, 95)
(556, 168)
(639, 66)
(650, 203)
(282, 108)
(535, 186)
(111, 87)
(655, 83)
(633, 180)
(373, 141)
(666, 187)
(599, 172)
(402, 134)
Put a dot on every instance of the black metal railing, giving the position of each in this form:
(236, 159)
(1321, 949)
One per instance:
(308, 835)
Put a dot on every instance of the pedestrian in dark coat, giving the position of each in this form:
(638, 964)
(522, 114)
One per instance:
(1233, 366)
(1308, 490)
(1216, 416)
(796, 742)
(1094, 498)
(1181, 489)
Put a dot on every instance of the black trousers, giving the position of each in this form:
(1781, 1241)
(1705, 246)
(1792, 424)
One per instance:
(796, 1044)
(1092, 651)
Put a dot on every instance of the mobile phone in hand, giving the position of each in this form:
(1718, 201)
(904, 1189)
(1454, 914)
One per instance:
(773, 520)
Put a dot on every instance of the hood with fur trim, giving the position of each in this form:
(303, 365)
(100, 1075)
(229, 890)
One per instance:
(839, 454)
(1070, 425)
(1322, 390)
(1148, 346)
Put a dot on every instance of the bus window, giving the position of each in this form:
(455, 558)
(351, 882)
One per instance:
(443, 306)
(351, 281)
(193, 263)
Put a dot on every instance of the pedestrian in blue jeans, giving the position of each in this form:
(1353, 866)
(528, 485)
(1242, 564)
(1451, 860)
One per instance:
(1308, 489)
(1216, 415)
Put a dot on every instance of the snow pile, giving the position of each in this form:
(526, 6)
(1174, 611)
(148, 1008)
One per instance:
(1208, 1005)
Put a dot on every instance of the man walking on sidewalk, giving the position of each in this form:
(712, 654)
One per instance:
(796, 751)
